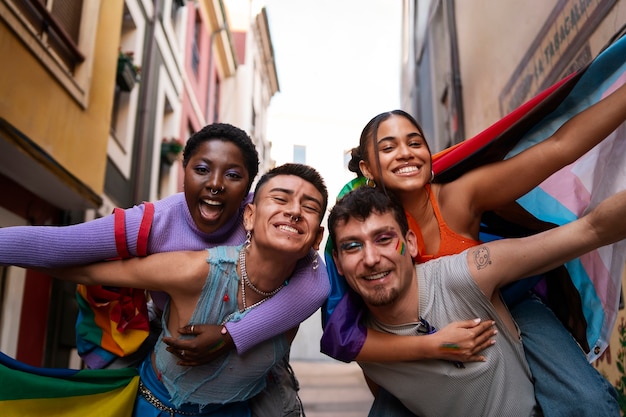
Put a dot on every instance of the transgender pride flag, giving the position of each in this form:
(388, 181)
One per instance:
(573, 190)
(587, 294)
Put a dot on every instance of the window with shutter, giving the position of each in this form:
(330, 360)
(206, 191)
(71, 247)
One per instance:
(61, 34)
(57, 25)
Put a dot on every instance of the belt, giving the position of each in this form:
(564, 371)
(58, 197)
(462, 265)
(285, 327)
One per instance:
(152, 399)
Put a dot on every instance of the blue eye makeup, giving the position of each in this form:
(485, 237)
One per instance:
(351, 246)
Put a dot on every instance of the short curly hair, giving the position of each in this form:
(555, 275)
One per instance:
(226, 133)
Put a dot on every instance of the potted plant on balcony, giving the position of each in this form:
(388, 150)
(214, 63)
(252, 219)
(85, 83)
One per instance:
(170, 149)
(127, 71)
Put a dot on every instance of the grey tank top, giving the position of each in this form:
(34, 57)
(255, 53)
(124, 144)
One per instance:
(501, 386)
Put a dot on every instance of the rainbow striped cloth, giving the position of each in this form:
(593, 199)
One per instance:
(32, 391)
(112, 323)
(591, 303)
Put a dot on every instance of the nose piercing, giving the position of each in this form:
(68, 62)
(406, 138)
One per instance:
(295, 219)
(215, 192)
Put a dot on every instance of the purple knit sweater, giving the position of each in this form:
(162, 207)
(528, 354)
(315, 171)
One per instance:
(173, 229)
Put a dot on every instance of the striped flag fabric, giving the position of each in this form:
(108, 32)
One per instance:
(112, 323)
(579, 187)
(32, 391)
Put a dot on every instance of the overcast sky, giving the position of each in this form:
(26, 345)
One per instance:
(338, 64)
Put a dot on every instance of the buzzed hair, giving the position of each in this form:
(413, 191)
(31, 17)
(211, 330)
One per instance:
(303, 171)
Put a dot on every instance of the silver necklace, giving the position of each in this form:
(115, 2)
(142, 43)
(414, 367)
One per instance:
(244, 277)
(245, 281)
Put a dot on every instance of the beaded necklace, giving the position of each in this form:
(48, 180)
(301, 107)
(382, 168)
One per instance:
(245, 281)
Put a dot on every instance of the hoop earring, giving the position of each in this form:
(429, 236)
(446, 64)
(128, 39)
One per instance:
(432, 175)
(247, 243)
(370, 183)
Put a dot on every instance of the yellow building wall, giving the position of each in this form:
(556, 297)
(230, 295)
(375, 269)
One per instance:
(612, 361)
(33, 101)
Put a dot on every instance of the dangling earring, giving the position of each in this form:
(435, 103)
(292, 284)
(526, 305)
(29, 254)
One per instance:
(432, 175)
(370, 183)
(247, 243)
(315, 263)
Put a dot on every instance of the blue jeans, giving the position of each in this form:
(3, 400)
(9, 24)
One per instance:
(157, 393)
(565, 383)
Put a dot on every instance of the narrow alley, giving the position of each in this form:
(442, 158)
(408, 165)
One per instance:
(332, 389)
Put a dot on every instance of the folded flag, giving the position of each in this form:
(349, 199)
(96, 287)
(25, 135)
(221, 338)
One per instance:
(114, 322)
(33, 391)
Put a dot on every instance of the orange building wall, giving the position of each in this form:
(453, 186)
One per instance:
(34, 102)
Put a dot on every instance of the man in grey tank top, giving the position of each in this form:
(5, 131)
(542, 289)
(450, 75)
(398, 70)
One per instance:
(373, 250)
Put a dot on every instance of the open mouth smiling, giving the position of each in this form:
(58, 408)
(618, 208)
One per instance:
(376, 276)
(407, 169)
(287, 228)
(210, 210)
(211, 202)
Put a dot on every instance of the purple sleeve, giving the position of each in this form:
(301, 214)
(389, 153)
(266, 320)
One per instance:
(344, 334)
(59, 246)
(303, 296)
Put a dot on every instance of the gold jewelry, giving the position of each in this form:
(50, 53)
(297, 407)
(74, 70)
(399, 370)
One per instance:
(370, 183)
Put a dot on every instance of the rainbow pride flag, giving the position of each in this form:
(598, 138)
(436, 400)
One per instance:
(31, 391)
(590, 287)
(112, 323)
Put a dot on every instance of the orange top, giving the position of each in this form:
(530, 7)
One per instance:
(450, 242)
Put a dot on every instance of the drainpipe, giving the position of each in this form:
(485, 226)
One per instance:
(209, 95)
(146, 98)
(457, 88)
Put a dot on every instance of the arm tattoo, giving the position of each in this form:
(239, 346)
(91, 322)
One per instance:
(482, 257)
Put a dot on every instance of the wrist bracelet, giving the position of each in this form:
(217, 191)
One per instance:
(216, 346)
